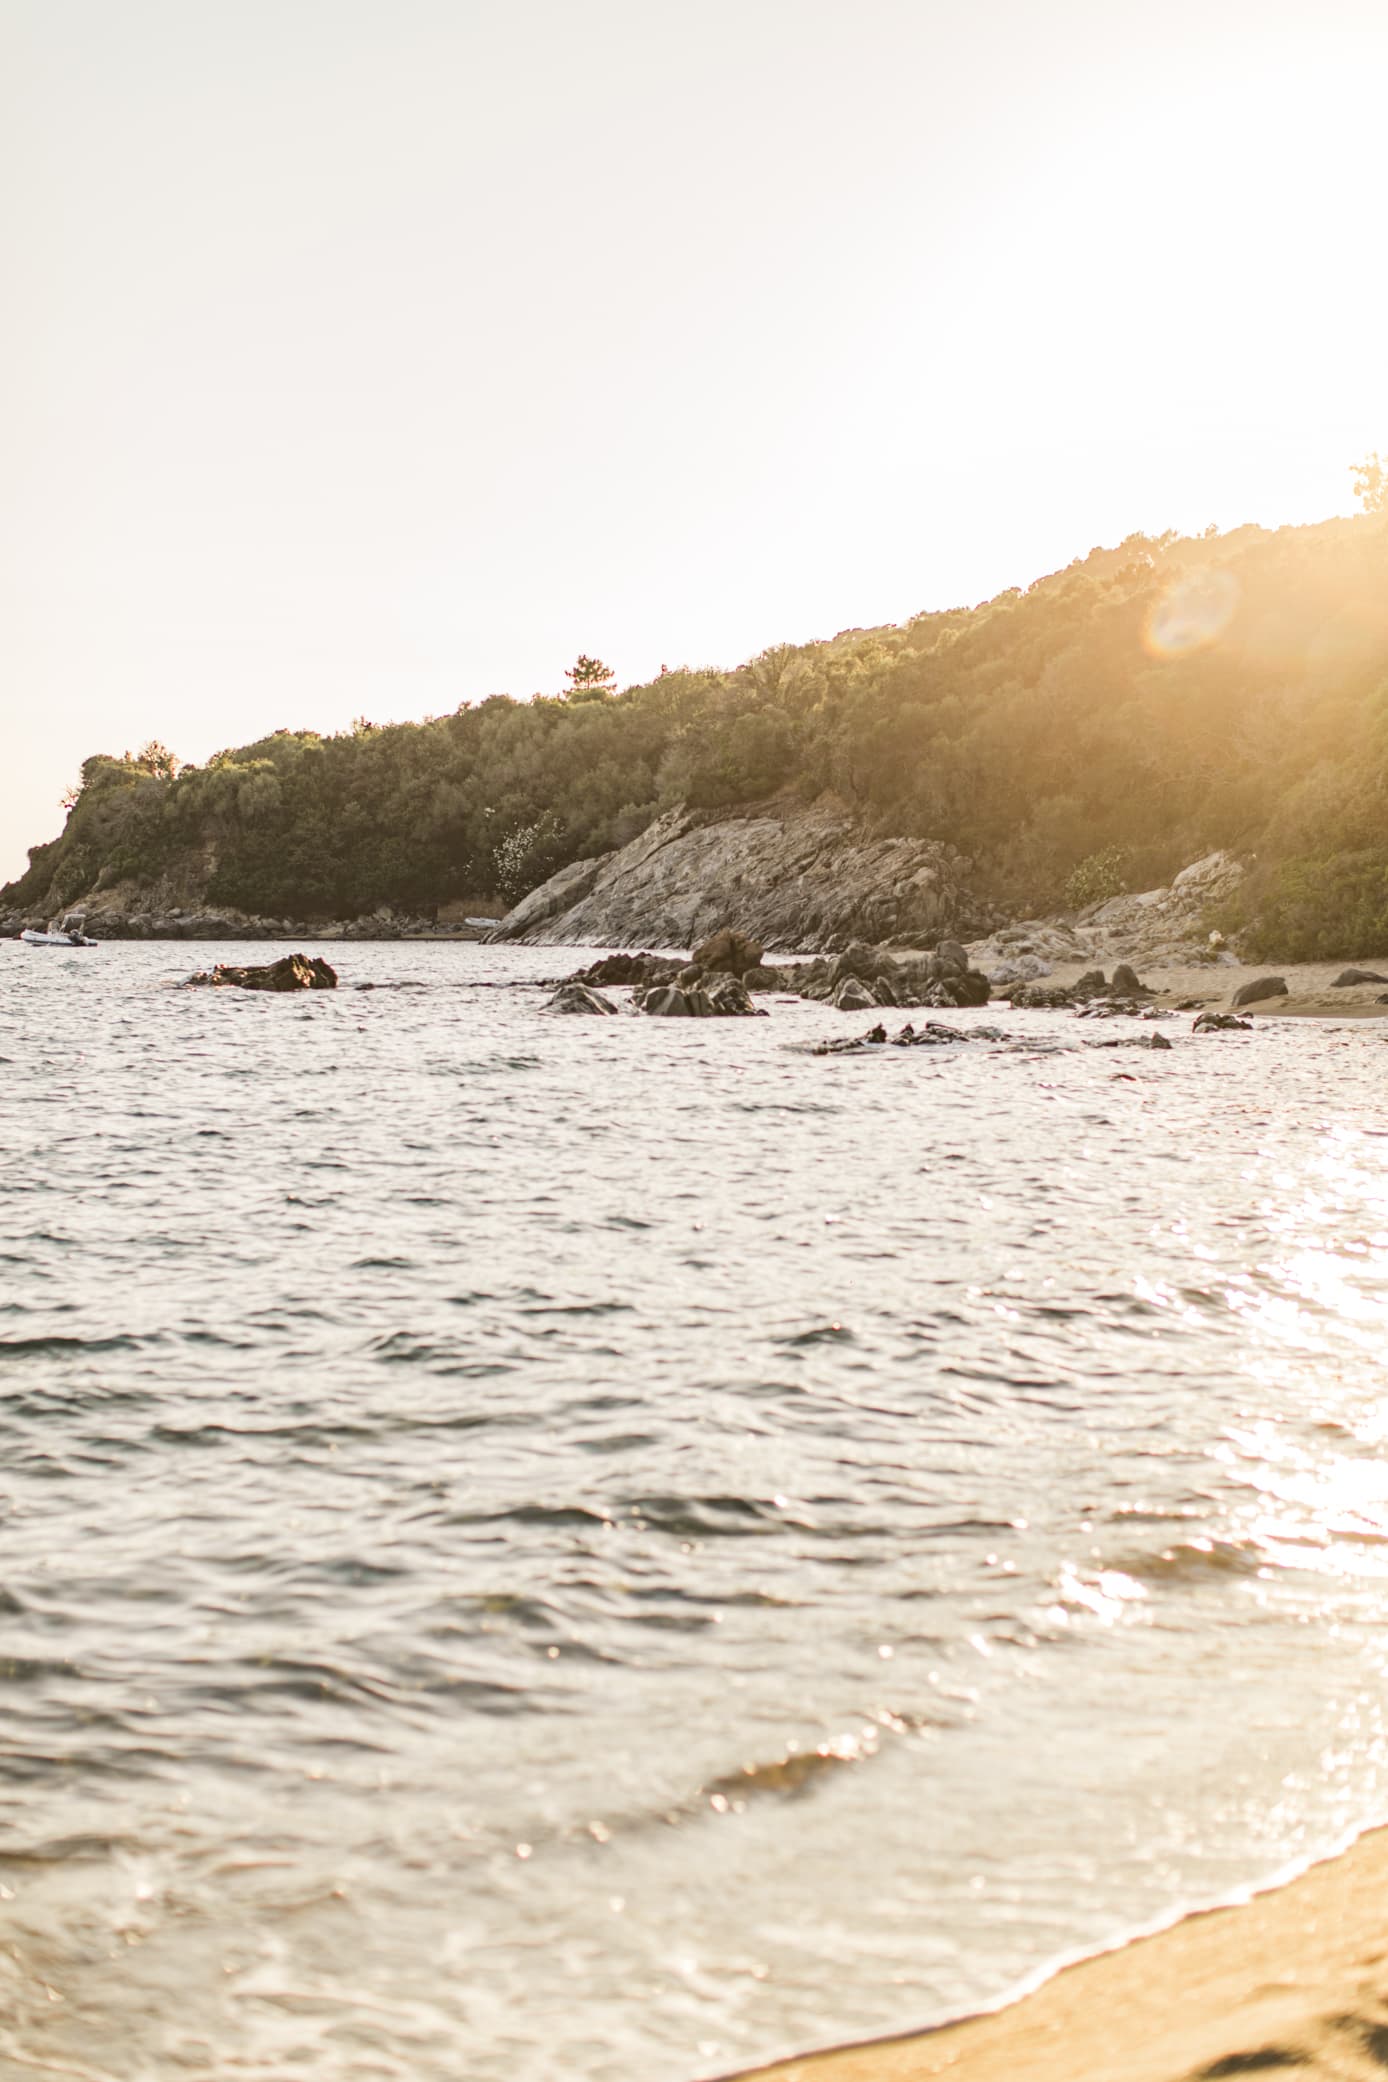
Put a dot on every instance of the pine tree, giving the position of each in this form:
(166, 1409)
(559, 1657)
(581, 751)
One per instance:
(589, 679)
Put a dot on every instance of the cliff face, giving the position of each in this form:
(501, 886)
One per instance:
(797, 877)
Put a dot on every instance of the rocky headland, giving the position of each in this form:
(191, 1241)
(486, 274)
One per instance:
(801, 877)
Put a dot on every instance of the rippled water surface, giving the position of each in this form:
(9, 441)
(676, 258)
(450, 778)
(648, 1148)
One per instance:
(541, 1546)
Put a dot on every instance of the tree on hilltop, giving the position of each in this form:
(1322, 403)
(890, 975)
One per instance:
(589, 679)
(1371, 483)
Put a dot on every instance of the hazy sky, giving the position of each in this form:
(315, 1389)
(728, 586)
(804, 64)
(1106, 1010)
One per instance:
(364, 356)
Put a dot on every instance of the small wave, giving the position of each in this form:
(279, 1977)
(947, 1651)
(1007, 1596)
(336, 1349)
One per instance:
(54, 1347)
(797, 1772)
(1186, 1560)
(703, 1517)
(822, 1334)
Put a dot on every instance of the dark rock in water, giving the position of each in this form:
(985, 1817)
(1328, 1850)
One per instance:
(1133, 1041)
(764, 978)
(858, 960)
(291, 972)
(729, 953)
(579, 997)
(717, 997)
(957, 987)
(1119, 1008)
(853, 995)
(1127, 983)
(628, 968)
(672, 1001)
(1221, 1023)
(932, 1035)
(730, 1000)
(1347, 977)
(1261, 987)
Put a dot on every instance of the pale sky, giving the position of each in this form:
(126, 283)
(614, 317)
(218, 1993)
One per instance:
(366, 356)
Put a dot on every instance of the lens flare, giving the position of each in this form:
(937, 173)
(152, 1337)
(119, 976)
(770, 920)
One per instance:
(1192, 615)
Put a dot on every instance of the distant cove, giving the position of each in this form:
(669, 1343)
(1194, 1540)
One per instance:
(1141, 709)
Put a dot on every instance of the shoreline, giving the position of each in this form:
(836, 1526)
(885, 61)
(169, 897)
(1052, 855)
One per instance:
(1310, 987)
(1290, 1976)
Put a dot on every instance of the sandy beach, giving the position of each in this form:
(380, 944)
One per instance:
(1293, 1981)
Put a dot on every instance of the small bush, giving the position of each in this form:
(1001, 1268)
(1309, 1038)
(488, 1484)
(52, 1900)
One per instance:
(1321, 910)
(1097, 878)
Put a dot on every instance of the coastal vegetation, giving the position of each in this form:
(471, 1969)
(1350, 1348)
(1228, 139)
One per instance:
(1086, 735)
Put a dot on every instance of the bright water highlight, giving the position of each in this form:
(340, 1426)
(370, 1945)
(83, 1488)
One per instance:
(539, 1546)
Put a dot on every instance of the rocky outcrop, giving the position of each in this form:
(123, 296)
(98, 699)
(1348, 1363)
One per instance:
(862, 976)
(793, 875)
(1156, 926)
(1260, 989)
(710, 997)
(291, 972)
(733, 953)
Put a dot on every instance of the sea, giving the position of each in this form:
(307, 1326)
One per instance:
(617, 1549)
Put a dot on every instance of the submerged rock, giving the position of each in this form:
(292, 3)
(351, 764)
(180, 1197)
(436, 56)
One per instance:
(934, 1034)
(1221, 1023)
(291, 972)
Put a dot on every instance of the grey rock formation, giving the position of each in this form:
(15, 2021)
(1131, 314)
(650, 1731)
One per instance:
(713, 997)
(581, 998)
(1260, 988)
(1155, 926)
(791, 874)
(1348, 977)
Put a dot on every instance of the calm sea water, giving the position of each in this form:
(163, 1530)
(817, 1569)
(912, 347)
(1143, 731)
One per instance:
(537, 1546)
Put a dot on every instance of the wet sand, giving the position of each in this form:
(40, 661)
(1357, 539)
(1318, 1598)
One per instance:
(1293, 1981)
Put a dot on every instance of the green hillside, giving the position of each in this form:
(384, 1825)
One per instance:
(1097, 731)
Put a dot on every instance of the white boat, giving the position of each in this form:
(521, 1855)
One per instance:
(52, 939)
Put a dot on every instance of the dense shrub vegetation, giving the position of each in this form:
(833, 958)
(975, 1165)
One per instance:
(1097, 731)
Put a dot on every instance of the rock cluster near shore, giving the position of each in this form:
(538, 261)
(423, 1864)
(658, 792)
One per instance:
(1155, 927)
(858, 979)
